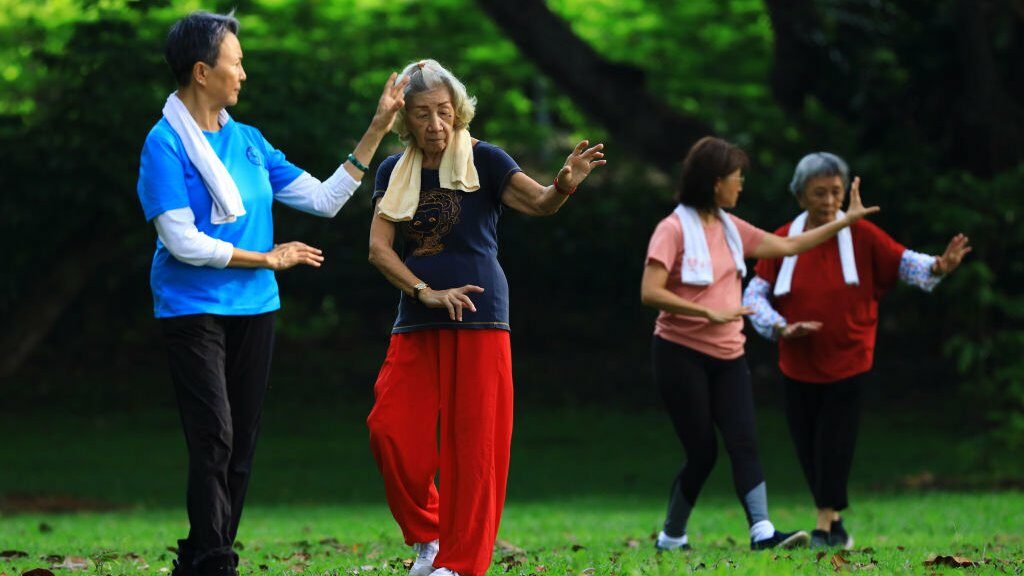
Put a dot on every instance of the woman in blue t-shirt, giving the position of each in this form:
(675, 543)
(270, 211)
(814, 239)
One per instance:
(207, 183)
(449, 359)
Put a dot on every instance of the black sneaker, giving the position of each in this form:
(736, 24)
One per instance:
(782, 540)
(182, 565)
(222, 566)
(839, 536)
(820, 539)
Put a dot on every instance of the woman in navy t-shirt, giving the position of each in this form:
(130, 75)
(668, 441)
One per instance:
(449, 360)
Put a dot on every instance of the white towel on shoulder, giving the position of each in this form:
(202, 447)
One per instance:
(456, 172)
(784, 283)
(697, 267)
(227, 201)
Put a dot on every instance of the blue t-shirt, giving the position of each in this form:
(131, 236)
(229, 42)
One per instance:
(453, 241)
(168, 180)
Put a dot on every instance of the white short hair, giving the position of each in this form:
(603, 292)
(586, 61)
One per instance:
(815, 165)
(427, 75)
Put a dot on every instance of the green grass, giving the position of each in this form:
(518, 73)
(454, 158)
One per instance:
(586, 493)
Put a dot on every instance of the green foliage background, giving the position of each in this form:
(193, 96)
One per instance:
(81, 82)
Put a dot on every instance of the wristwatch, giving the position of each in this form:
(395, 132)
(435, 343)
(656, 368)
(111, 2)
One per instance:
(417, 288)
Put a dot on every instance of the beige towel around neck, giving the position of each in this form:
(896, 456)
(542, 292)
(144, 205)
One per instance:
(457, 172)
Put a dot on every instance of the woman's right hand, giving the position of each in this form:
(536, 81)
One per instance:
(729, 315)
(454, 299)
(289, 254)
(799, 329)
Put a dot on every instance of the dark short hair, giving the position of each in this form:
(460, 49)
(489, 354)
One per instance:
(708, 160)
(197, 38)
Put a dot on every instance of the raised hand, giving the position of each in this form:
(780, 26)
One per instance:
(956, 250)
(391, 101)
(856, 210)
(725, 316)
(289, 254)
(799, 329)
(579, 164)
(454, 299)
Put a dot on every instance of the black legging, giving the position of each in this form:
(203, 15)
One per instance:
(701, 393)
(823, 421)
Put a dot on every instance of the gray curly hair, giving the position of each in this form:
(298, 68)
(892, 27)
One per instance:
(427, 75)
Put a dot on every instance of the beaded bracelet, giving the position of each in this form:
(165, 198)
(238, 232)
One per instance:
(563, 192)
(355, 162)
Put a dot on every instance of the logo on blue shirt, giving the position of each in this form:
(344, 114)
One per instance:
(254, 156)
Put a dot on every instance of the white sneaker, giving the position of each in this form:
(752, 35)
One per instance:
(443, 572)
(666, 542)
(424, 563)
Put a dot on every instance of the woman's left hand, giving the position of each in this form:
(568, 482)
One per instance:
(856, 210)
(579, 164)
(391, 101)
(951, 258)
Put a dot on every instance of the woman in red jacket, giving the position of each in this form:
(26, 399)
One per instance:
(822, 307)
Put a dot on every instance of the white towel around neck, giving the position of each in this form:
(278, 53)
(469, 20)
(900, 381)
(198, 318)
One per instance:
(697, 267)
(227, 201)
(784, 283)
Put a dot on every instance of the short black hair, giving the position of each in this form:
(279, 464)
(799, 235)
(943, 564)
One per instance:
(708, 160)
(197, 38)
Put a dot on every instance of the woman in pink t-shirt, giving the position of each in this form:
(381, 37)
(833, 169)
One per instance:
(695, 263)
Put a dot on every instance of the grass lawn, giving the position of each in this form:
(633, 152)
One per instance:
(586, 494)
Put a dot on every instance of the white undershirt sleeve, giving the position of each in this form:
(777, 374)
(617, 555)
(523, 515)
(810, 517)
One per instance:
(312, 196)
(177, 230)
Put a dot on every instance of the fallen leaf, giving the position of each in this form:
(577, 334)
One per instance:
(37, 572)
(264, 567)
(819, 556)
(868, 550)
(839, 563)
(507, 547)
(952, 561)
(45, 528)
(52, 558)
(73, 563)
(730, 540)
(13, 554)
(632, 543)
(577, 548)
(298, 568)
(900, 548)
(585, 572)
(541, 568)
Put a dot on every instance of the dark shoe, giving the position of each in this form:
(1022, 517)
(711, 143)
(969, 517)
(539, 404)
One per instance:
(820, 539)
(222, 566)
(839, 536)
(782, 540)
(182, 565)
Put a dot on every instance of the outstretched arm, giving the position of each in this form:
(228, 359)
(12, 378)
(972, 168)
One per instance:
(526, 195)
(776, 246)
(925, 272)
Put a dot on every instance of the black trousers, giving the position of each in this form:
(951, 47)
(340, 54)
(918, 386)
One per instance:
(823, 421)
(702, 393)
(219, 366)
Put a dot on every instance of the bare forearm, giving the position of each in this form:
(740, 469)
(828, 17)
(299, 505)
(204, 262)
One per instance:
(386, 260)
(248, 259)
(365, 150)
(551, 200)
(663, 299)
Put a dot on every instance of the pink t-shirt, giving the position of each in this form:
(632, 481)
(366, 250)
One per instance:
(723, 341)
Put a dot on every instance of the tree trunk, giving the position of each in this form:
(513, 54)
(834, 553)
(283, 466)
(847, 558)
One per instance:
(613, 94)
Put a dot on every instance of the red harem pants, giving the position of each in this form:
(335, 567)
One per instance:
(462, 378)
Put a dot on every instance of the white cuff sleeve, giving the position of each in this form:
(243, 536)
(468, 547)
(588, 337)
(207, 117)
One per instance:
(764, 318)
(916, 270)
(177, 230)
(312, 196)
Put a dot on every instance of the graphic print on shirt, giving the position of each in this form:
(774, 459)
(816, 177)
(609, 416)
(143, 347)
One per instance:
(436, 216)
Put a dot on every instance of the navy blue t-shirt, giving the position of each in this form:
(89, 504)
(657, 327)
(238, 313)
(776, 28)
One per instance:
(453, 241)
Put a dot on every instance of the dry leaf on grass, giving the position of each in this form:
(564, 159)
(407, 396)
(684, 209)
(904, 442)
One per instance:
(839, 563)
(631, 543)
(577, 548)
(952, 561)
(73, 563)
(13, 554)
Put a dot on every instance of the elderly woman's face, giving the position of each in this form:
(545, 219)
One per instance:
(822, 197)
(430, 118)
(223, 82)
(727, 189)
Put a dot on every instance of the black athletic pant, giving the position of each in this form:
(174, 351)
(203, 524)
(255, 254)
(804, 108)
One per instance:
(823, 421)
(701, 393)
(219, 366)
